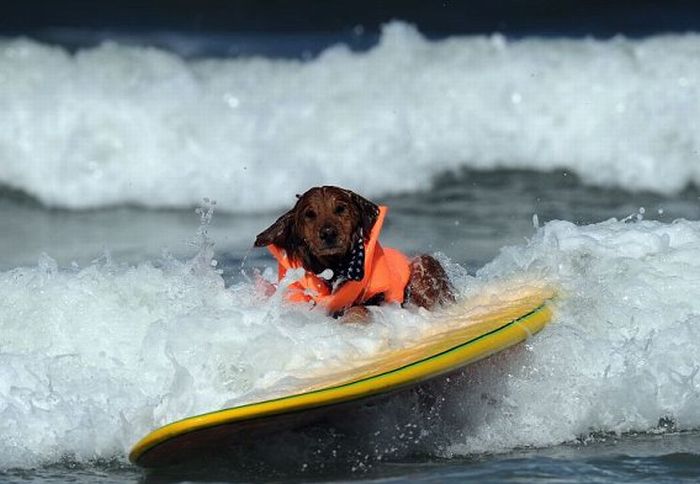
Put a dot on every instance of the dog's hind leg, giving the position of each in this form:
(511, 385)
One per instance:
(428, 285)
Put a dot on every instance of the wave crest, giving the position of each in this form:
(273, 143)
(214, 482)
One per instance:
(117, 125)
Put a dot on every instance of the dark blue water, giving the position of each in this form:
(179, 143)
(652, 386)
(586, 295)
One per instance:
(668, 458)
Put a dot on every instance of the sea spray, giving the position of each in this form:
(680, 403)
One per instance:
(92, 358)
(95, 357)
(620, 355)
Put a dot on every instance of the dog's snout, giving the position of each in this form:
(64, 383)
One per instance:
(328, 234)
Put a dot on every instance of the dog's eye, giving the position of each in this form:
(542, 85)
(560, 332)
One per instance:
(309, 215)
(340, 209)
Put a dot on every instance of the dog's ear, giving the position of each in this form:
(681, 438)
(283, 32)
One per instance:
(368, 212)
(279, 233)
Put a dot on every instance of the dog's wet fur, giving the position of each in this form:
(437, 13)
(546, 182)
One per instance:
(323, 227)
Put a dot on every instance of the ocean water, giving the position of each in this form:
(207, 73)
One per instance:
(121, 308)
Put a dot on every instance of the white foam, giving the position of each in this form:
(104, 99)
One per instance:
(92, 358)
(116, 124)
(622, 352)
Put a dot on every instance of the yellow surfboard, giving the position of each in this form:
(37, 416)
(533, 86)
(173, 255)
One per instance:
(498, 317)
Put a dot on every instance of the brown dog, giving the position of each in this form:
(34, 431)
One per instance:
(328, 233)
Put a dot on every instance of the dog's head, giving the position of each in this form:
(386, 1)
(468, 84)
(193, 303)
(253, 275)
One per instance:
(323, 227)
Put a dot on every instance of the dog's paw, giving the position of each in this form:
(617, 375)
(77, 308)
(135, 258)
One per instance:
(356, 315)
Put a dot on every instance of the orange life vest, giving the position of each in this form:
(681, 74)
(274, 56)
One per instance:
(386, 272)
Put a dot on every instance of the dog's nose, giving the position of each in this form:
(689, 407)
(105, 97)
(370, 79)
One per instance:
(328, 234)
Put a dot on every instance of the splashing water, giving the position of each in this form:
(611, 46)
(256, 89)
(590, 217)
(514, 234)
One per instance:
(94, 357)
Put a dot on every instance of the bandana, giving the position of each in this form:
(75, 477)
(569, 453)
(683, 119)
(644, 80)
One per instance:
(355, 268)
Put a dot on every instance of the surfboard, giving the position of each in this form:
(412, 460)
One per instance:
(497, 317)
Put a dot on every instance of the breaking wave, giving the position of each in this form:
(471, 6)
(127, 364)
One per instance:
(119, 125)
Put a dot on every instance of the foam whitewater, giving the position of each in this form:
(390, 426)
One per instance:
(94, 357)
(115, 124)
